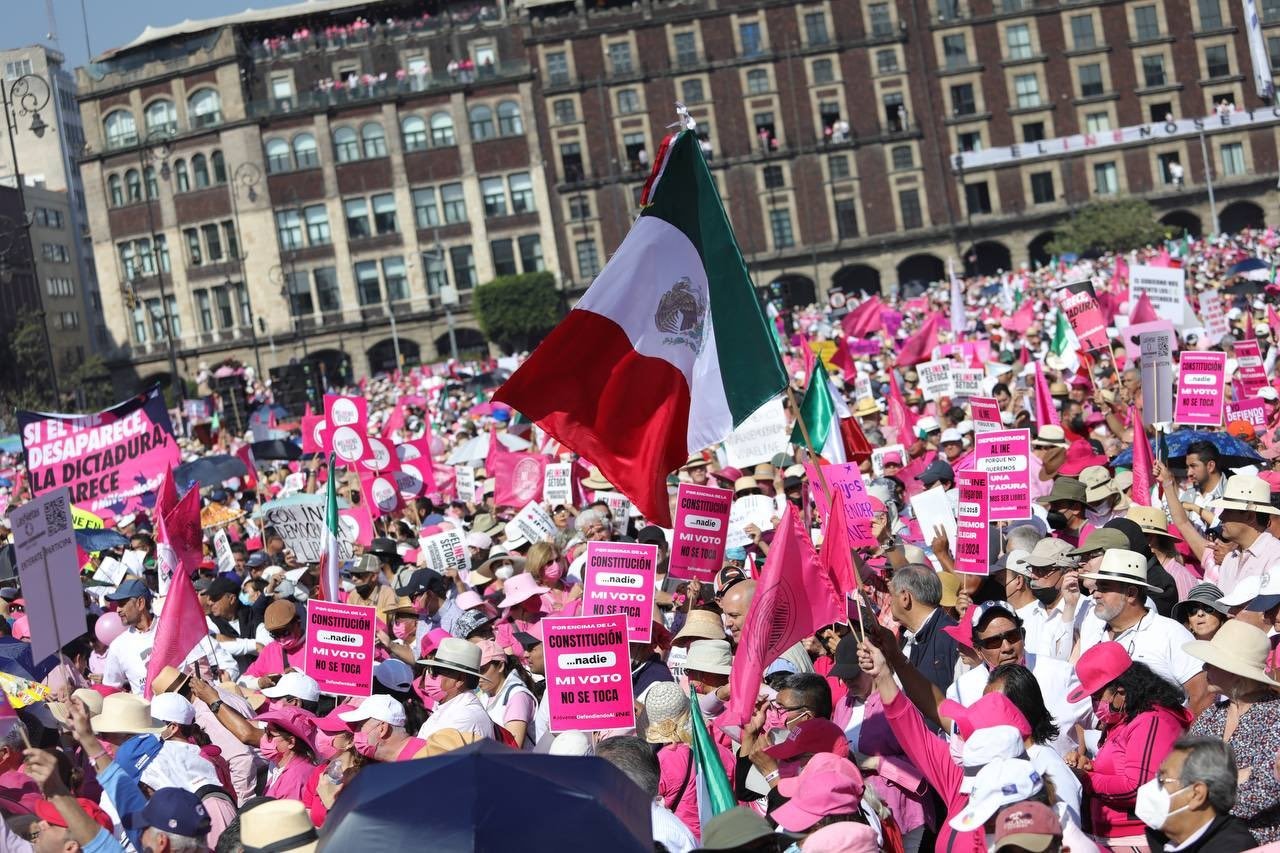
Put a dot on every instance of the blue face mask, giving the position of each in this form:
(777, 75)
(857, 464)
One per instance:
(245, 599)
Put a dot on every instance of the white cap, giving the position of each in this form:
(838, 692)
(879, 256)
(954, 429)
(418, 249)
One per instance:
(394, 674)
(927, 424)
(952, 435)
(964, 427)
(271, 571)
(380, 707)
(480, 541)
(294, 684)
(1247, 589)
(1268, 392)
(1000, 782)
(172, 708)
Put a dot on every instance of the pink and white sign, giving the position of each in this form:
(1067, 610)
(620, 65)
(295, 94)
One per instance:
(340, 647)
(1249, 360)
(968, 380)
(588, 666)
(347, 419)
(619, 580)
(972, 518)
(857, 507)
(1253, 410)
(1003, 456)
(985, 412)
(701, 527)
(382, 494)
(382, 456)
(1200, 388)
(357, 525)
(314, 434)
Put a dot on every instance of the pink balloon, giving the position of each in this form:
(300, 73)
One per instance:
(108, 627)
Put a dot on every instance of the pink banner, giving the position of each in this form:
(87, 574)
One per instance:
(848, 480)
(382, 493)
(340, 647)
(985, 412)
(1253, 410)
(1252, 374)
(356, 524)
(972, 518)
(588, 666)
(112, 461)
(1003, 456)
(858, 346)
(1200, 388)
(314, 437)
(619, 579)
(348, 419)
(701, 526)
(1084, 314)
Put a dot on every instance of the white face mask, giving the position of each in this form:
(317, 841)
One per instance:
(504, 572)
(1152, 805)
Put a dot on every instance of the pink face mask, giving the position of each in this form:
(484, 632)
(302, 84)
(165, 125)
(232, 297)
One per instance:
(405, 631)
(291, 644)
(429, 690)
(324, 745)
(364, 746)
(270, 749)
(552, 572)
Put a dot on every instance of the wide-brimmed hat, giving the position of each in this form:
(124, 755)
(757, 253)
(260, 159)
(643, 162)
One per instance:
(520, 588)
(385, 549)
(764, 472)
(402, 606)
(1064, 489)
(1102, 539)
(456, 655)
(712, 656)
(1098, 483)
(1205, 595)
(1049, 435)
(700, 625)
(1238, 648)
(695, 460)
(483, 573)
(1097, 667)
(92, 700)
(1123, 566)
(169, 680)
(1152, 520)
(866, 407)
(295, 721)
(1050, 552)
(596, 481)
(1080, 455)
(124, 713)
(485, 523)
(745, 484)
(281, 826)
(1246, 492)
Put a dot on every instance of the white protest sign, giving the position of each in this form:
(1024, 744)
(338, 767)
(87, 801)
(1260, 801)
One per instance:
(293, 484)
(444, 551)
(222, 552)
(759, 438)
(619, 510)
(1212, 316)
(968, 380)
(533, 523)
(302, 526)
(1165, 287)
(44, 547)
(465, 483)
(752, 509)
(862, 388)
(134, 562)
(110, 570)
(556, 487)
(1156, 368)
(879, 453)
(932, 509)
(935, 379)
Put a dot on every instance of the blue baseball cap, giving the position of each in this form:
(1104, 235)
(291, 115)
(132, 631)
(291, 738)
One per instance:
(174, 810)
(129, 588)
(136, 753)
(256, 560)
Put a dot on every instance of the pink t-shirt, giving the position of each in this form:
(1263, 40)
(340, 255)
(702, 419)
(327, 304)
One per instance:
(271, 660)
(291, 783)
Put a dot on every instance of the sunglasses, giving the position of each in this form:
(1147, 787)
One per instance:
(996, 641)
(283, 632)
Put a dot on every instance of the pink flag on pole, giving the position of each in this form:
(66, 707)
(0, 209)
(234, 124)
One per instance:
(1273, 320)
(900, 416)
(180, 626)
(168, 497)
(180, 530)
(834, 555)
(1021, 319)
(794, 598)
(919, 347)
(1140, 494)
(1143, 311)
(1046, 412)
(864, 320)
(1120, 278)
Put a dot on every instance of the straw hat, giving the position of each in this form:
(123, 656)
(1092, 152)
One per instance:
(596, 481)
(169, 680)
(403, 605)
(278, 825)
(1151, 519)
(743, 484)
(92, 700)
(1123, 566)
(1050, 435)
(1238, 648)
(950, 588)
(1246, 492)
(765, 472)
(695, 460)
(699, 625)
(124, 713)
(866, 407)
(711, 656)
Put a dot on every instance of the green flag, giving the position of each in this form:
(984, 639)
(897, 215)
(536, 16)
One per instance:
(821, 419)
(714, 794)
(1060, 340)
(330, 556)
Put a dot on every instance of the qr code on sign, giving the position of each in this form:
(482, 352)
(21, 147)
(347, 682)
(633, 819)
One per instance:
(55, 517)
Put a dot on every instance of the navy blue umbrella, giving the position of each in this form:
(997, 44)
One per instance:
(490, 797)
(1249, 265)
(208, 471)
(100, 539)
(1232, 452)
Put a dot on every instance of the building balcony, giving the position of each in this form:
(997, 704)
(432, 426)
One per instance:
(303, 41)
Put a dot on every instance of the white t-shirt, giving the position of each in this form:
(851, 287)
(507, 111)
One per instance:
(1047, 632)
(1056, 679)
(126, 661)
(464, 712)
(1154, 640)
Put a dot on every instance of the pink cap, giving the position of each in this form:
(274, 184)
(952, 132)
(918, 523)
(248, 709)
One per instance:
(490, 652)
(891, 459)
(411, 556)
(823, 762)
(811, 736)
(431, 641)
(993, 709)
(468, 600)
(820, 795)
(1080, 455)
(1098, 667)
(331, 724)
(843, 837)
(1271, 478)
(877, 505)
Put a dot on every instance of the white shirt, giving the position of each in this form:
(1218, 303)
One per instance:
(1049, 764)
(669, 830)
(1048, 632)
(1056, 679)
(1154, 640)
(464, 712)
(127, 656)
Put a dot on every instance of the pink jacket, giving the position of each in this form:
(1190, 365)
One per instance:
(673, 762)
(898, 783)
(1130, 757)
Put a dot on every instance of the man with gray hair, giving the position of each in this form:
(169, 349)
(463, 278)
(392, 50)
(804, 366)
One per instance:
(1187, 807)
(639, 763)
(915, 592)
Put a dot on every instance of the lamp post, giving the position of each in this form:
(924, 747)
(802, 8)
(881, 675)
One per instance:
(23, 96)
(247, 176)
(155, 149)
(1208, 180)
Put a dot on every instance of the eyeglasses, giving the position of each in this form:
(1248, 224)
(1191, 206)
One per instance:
(1044, 571)
(998, 640)
(778, 706)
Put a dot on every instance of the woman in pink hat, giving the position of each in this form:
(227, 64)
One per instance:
(547, 566)
(288, 745)
(522, 606)
(506, 690)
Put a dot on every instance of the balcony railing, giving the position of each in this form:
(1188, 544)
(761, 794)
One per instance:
(303, 41)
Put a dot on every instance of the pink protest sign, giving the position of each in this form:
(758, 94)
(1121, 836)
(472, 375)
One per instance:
(111, 461)
(701, 527)
(971, 523)
(619, 579)
(1003, 456)
(1081, 307)
(1200, 381)
(857, 507)
(1253, 410)
(588, 666)
(985, 412)
(357, 526)
(1252, 374)
(340, 647)
(314, 434)
(347, 419)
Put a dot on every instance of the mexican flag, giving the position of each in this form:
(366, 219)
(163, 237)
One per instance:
(1061, 335)
(821, 411)
(330, 557)
(666, 352)
(712, 786)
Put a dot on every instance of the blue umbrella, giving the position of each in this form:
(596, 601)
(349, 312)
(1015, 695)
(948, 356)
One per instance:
(1247, 265)
(1232, 452)
(100, 539)
(208, 471)
(10, 444)
(483, 796)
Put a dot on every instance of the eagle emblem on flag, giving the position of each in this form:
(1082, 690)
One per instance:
(681, 314)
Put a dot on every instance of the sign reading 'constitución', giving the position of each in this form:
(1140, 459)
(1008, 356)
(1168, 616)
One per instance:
(588, 666)
(340, 647)
(619, 579)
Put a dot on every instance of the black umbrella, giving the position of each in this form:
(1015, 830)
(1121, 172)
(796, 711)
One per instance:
(490, 797)
(276, 448)
(208, 471)
(1245, 287)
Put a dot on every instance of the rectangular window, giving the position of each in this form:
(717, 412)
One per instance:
(955, 51)
(1153, 70)
(298, 286)
(886, 61)
(368, 287)
(962, 100)
(226, 317)
(1042, 187)
(620, 57)
(823, 71)
(242, 299)
(691, 91)
(846, 218)
(838, 166)
(588, 259)
(453, 203)
(571, 161)
(195, 256)
(757, 81)
(140, 324)
(1018, 41)
(504, 257)
(425, 213)
(521, 187)
(155, 310)
(17, 68)
(557, 68)
(686, 48)
(1270, 10)
(531, 253)
(1106, 179)
(628, 101)
(327, 294)
(773, 177)
(357, 212)
(384, 213)
(909, 204)
(1273, 50)
(1233, 159)
(579, 208)
(212, 242)
(780, 225)
(318, 234)
(1027, 89)
(1210, 14)
(1216, 62)
(463, 262)
(977, 198)
(903, 157)
(881, 20)
(749, 34)
(1170, 166)
(434, 271)
(1097, 122)
(1160, 111)
(1146, 22)
(289, 229)
(1082, 37)
(204, 308)
(564, 111)
(969, 141)
(393, 275)
(494, 192)
(815, 28)
(1090, 80)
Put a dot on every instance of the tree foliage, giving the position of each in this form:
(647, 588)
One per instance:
(25, 380)
(1115, 226)
(517, 311)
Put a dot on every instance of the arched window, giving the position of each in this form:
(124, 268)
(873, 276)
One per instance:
(441, 129)
(278, 155)
(509, 123)
(121, 129)
(219, 167)
(204, 108)
(115, 191)
(161, 116)
(200, 171)
(305, 154)
(414, 131)
(180, 176)
(375, 141)
(346, 145)
(133, 185)
(481, 122)
(149, 178)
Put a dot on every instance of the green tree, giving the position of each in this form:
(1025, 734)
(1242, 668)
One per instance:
(517, 311)
(93, 378)
(26, 382)
(1115, 226)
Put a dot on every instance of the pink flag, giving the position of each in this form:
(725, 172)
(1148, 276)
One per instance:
(181, 624)
(843, 359)
(864, 321)
(517, 477)
(1143, 311)
(180, 530)
(1140, 494)
(168, 497)
(245, 455)
(794, 598)
(1046, 412)
(1273, 320)
(1163, 259)
(919, 347)
(395, 421)
(1021, 319)
(1120, 278)
(835, 555)
(900, 415)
